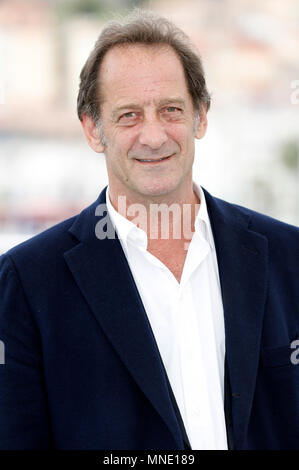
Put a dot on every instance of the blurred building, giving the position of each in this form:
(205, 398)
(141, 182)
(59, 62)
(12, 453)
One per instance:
(250, 153)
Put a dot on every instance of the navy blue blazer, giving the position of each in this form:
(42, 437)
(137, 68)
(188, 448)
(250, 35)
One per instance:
(82, 368)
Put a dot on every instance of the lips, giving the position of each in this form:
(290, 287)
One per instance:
(153, 160)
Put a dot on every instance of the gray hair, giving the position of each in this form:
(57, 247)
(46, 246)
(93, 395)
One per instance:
(141, 27)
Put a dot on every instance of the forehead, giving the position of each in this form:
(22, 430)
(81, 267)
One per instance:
(141, 72)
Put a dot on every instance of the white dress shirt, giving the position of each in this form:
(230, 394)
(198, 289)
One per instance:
(187, 322)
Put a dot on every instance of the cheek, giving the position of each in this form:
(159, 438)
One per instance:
(181, 134)
(124, 140)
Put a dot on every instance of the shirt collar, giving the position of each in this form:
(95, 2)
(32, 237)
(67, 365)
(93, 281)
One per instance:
(128, 231)
(202, 214)
(202, 224)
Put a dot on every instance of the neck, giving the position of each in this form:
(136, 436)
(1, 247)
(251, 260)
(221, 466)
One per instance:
(161, 217)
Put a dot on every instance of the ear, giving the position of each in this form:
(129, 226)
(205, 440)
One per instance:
(92, 134)
(202, 123)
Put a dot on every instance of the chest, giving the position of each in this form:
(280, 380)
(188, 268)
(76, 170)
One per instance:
(172, 255)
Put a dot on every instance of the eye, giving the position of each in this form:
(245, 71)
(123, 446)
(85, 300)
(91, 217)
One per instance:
(130, 115)
(171, 109)
(172, 113)
(128, 119)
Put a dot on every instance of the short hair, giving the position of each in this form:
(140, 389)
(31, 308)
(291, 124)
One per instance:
(140, 27)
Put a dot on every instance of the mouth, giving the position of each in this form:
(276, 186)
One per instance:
(153, 161)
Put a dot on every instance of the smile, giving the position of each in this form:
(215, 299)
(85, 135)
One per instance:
(153, 160)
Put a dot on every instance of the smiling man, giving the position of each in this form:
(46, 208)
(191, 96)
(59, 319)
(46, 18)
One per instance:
(149, 132)
(119, 337)
(148, 127)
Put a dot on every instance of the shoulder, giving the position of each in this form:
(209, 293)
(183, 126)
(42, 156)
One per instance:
(265, 222)
(258, 222)
(272, 228)
(282, 240)
(279, 241)
(54, 239)
(40, 256)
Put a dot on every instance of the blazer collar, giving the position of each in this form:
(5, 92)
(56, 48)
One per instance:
(242, 256)
(100, 266)
(103, 275)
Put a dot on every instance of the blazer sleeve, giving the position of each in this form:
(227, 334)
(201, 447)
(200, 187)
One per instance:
(24, 415)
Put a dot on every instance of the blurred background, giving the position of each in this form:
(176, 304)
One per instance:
(250, 155)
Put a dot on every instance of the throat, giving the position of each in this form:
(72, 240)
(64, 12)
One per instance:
(172, 253)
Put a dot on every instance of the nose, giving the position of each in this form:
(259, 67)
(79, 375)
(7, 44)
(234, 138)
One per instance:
(152, 134)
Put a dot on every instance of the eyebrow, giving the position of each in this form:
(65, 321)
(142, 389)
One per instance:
(132, 105)
(172, 100)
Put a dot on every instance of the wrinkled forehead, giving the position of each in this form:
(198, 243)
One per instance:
(137, 50)
(140, 68)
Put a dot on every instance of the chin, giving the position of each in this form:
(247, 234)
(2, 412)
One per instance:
(157, 189)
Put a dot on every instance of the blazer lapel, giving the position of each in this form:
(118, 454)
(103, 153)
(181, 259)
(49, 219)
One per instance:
(242, 263)
(101, 271)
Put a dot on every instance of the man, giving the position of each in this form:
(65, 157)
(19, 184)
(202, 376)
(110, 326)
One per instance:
(119, 337)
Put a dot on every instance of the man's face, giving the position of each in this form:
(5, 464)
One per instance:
(147, 118)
